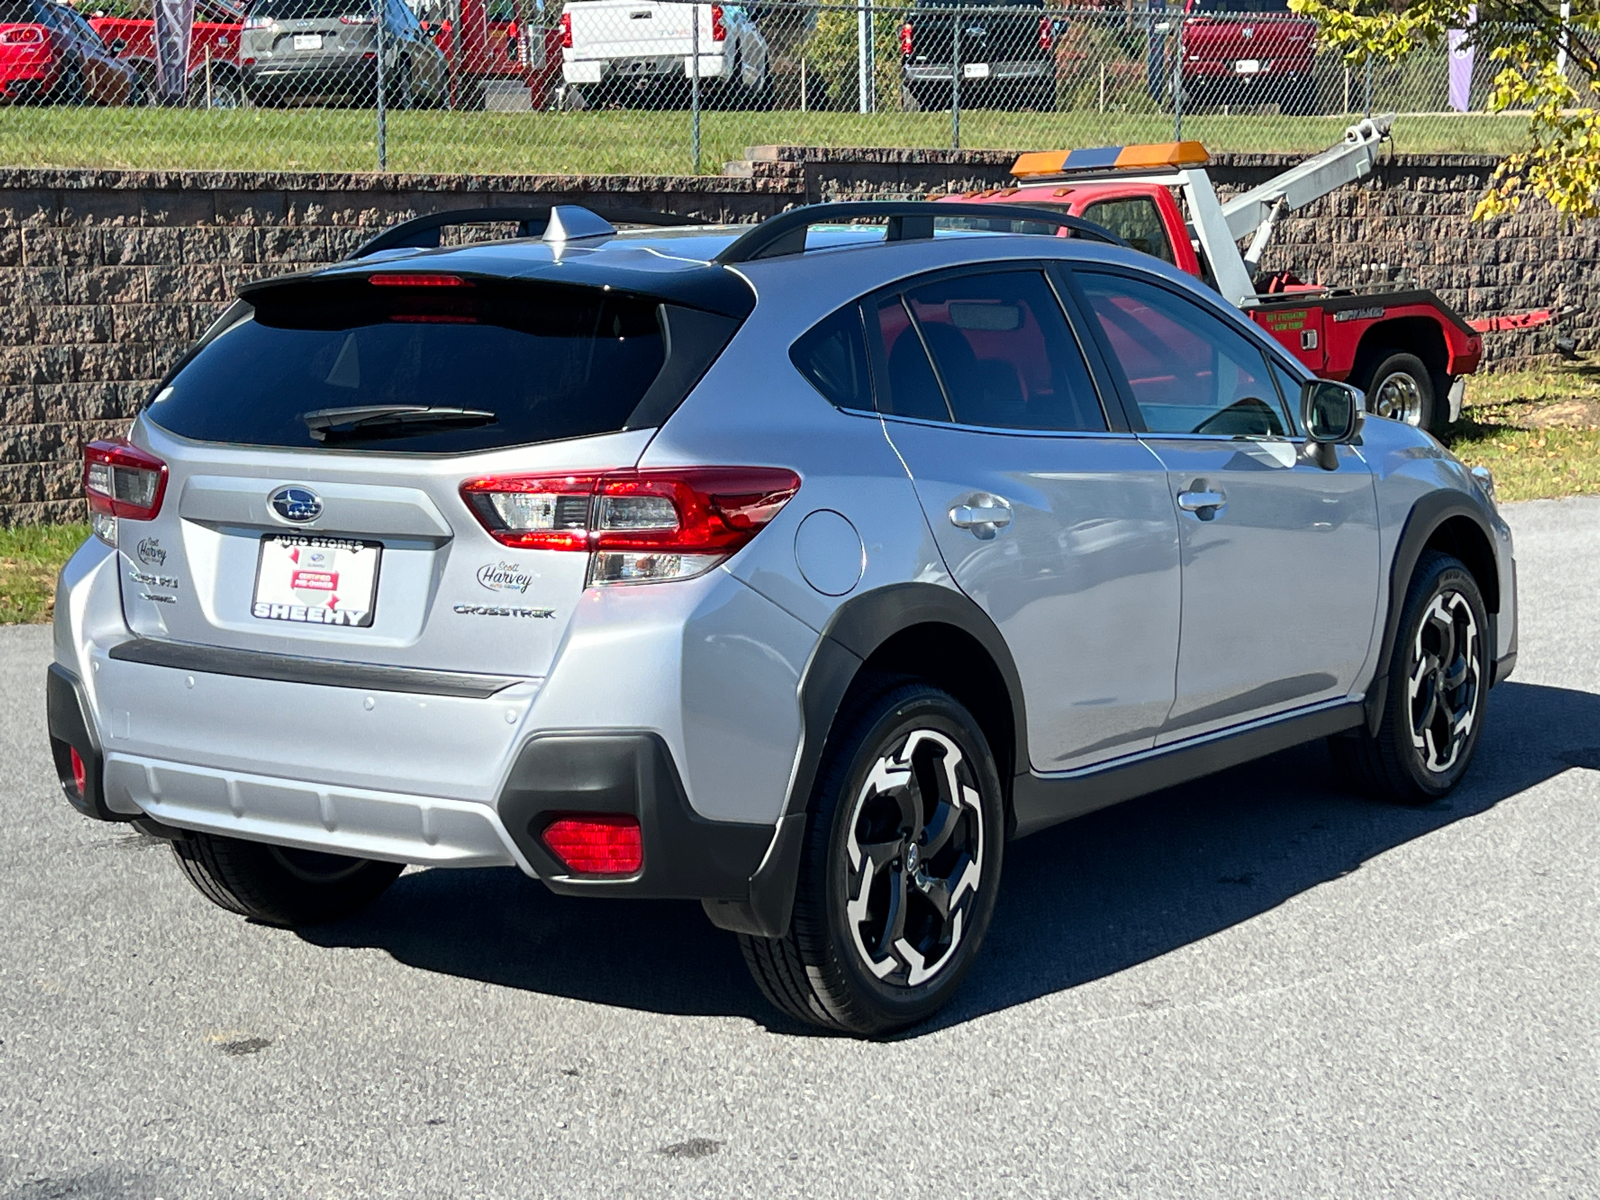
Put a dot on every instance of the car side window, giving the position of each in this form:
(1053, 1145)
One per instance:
(1005, 353)
(909, 387)
(1289, 387)
(1137, 221)
(1186, 370)
(833, 358)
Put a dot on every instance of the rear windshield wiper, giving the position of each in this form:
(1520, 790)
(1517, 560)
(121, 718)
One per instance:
(390, 420)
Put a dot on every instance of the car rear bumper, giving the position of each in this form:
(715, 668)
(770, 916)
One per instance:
(319, 77)
(1004, 71)
(624, 773)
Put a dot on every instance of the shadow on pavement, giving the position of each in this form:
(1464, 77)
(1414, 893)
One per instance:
(1078, 902)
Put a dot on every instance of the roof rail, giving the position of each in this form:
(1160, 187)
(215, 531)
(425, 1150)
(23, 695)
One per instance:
(422, 233)
(908, 220)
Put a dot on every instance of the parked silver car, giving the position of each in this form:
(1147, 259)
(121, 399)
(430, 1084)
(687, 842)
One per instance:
(792, 569)
(327, 50)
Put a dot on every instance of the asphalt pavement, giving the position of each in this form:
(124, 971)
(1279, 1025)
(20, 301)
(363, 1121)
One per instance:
(1257, 985)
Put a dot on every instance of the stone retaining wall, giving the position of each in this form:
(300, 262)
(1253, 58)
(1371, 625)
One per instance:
(105, 276)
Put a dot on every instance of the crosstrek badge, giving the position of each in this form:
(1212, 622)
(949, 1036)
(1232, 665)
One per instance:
(316, 580)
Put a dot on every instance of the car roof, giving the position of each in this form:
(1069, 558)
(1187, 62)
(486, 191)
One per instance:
(679, 264)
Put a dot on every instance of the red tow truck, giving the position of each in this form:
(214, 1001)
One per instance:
(1407, 349)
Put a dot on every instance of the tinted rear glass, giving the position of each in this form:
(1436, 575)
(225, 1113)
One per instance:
(547, 361)
(300, 10)
(19, 12)
(1240, 6)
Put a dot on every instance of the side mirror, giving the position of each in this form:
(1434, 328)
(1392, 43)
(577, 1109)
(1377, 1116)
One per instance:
(1331, 412)
(1332, 415)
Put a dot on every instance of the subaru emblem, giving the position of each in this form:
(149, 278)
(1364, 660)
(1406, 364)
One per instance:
(297, 504)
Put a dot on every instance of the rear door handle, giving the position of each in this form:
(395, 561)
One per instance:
(1204, 505)
(982, 513)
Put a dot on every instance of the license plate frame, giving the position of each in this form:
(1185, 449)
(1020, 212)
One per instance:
(308, 41)
(1247, 66)
(306, 591)
(974, 70)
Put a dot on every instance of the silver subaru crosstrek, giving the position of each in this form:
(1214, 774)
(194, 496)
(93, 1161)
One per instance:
(795, 569)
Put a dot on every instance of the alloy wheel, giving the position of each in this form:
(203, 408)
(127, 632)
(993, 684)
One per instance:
(1445, 688)
(914, 859)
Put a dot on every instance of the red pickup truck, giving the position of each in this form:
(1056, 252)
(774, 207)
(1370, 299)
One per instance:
(213, 52)
(1248, 52)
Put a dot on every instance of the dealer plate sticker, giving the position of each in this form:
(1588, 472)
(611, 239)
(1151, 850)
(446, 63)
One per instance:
(316, 580)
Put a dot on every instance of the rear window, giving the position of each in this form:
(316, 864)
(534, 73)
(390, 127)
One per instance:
(1240, 6)
(536, 363)
(299, 10)
(19, 12)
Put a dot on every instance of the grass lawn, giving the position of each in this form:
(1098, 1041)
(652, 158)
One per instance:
(633, 142)
(1538, 431)
(29, 560)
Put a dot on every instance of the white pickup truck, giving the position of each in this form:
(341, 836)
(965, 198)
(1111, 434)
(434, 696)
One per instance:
(636, 50)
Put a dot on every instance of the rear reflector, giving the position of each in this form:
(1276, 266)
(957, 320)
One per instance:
(596, 843)
(80, 775)
(122, 481)
(640, 526)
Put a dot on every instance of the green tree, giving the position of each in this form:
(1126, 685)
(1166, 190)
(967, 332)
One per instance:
(1527, 41)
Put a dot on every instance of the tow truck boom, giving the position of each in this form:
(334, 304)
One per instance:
(1350, 160)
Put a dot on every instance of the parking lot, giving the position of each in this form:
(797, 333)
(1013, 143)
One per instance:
(1257, 985)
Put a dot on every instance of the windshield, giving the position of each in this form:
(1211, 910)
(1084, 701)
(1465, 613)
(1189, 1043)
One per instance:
(546, 361)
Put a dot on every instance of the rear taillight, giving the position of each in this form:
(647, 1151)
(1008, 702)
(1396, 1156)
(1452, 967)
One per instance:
(566, 31)
(719, 31)
(26, 35)
(121, 482)
(907, 39)
(638, 526)
(596, 843)
(1047, 33)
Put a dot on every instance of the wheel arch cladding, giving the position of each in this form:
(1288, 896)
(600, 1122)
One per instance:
(924, 630)
(1420, 336)
(1448, 522)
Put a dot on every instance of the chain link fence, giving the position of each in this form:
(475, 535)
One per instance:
(653, 87)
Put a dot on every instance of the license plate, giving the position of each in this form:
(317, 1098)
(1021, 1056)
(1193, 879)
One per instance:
(308, 41)
(975, 71)
(316, 580)
(1247, 66)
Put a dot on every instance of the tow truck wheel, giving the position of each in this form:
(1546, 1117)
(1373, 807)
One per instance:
(1401, 389)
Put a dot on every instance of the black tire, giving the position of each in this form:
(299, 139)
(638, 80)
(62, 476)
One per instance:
(938, 836)
(404, 97)
(70, 89)
(1400, 387)
(1433, 712)
(279, 885)
(1298, 96)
